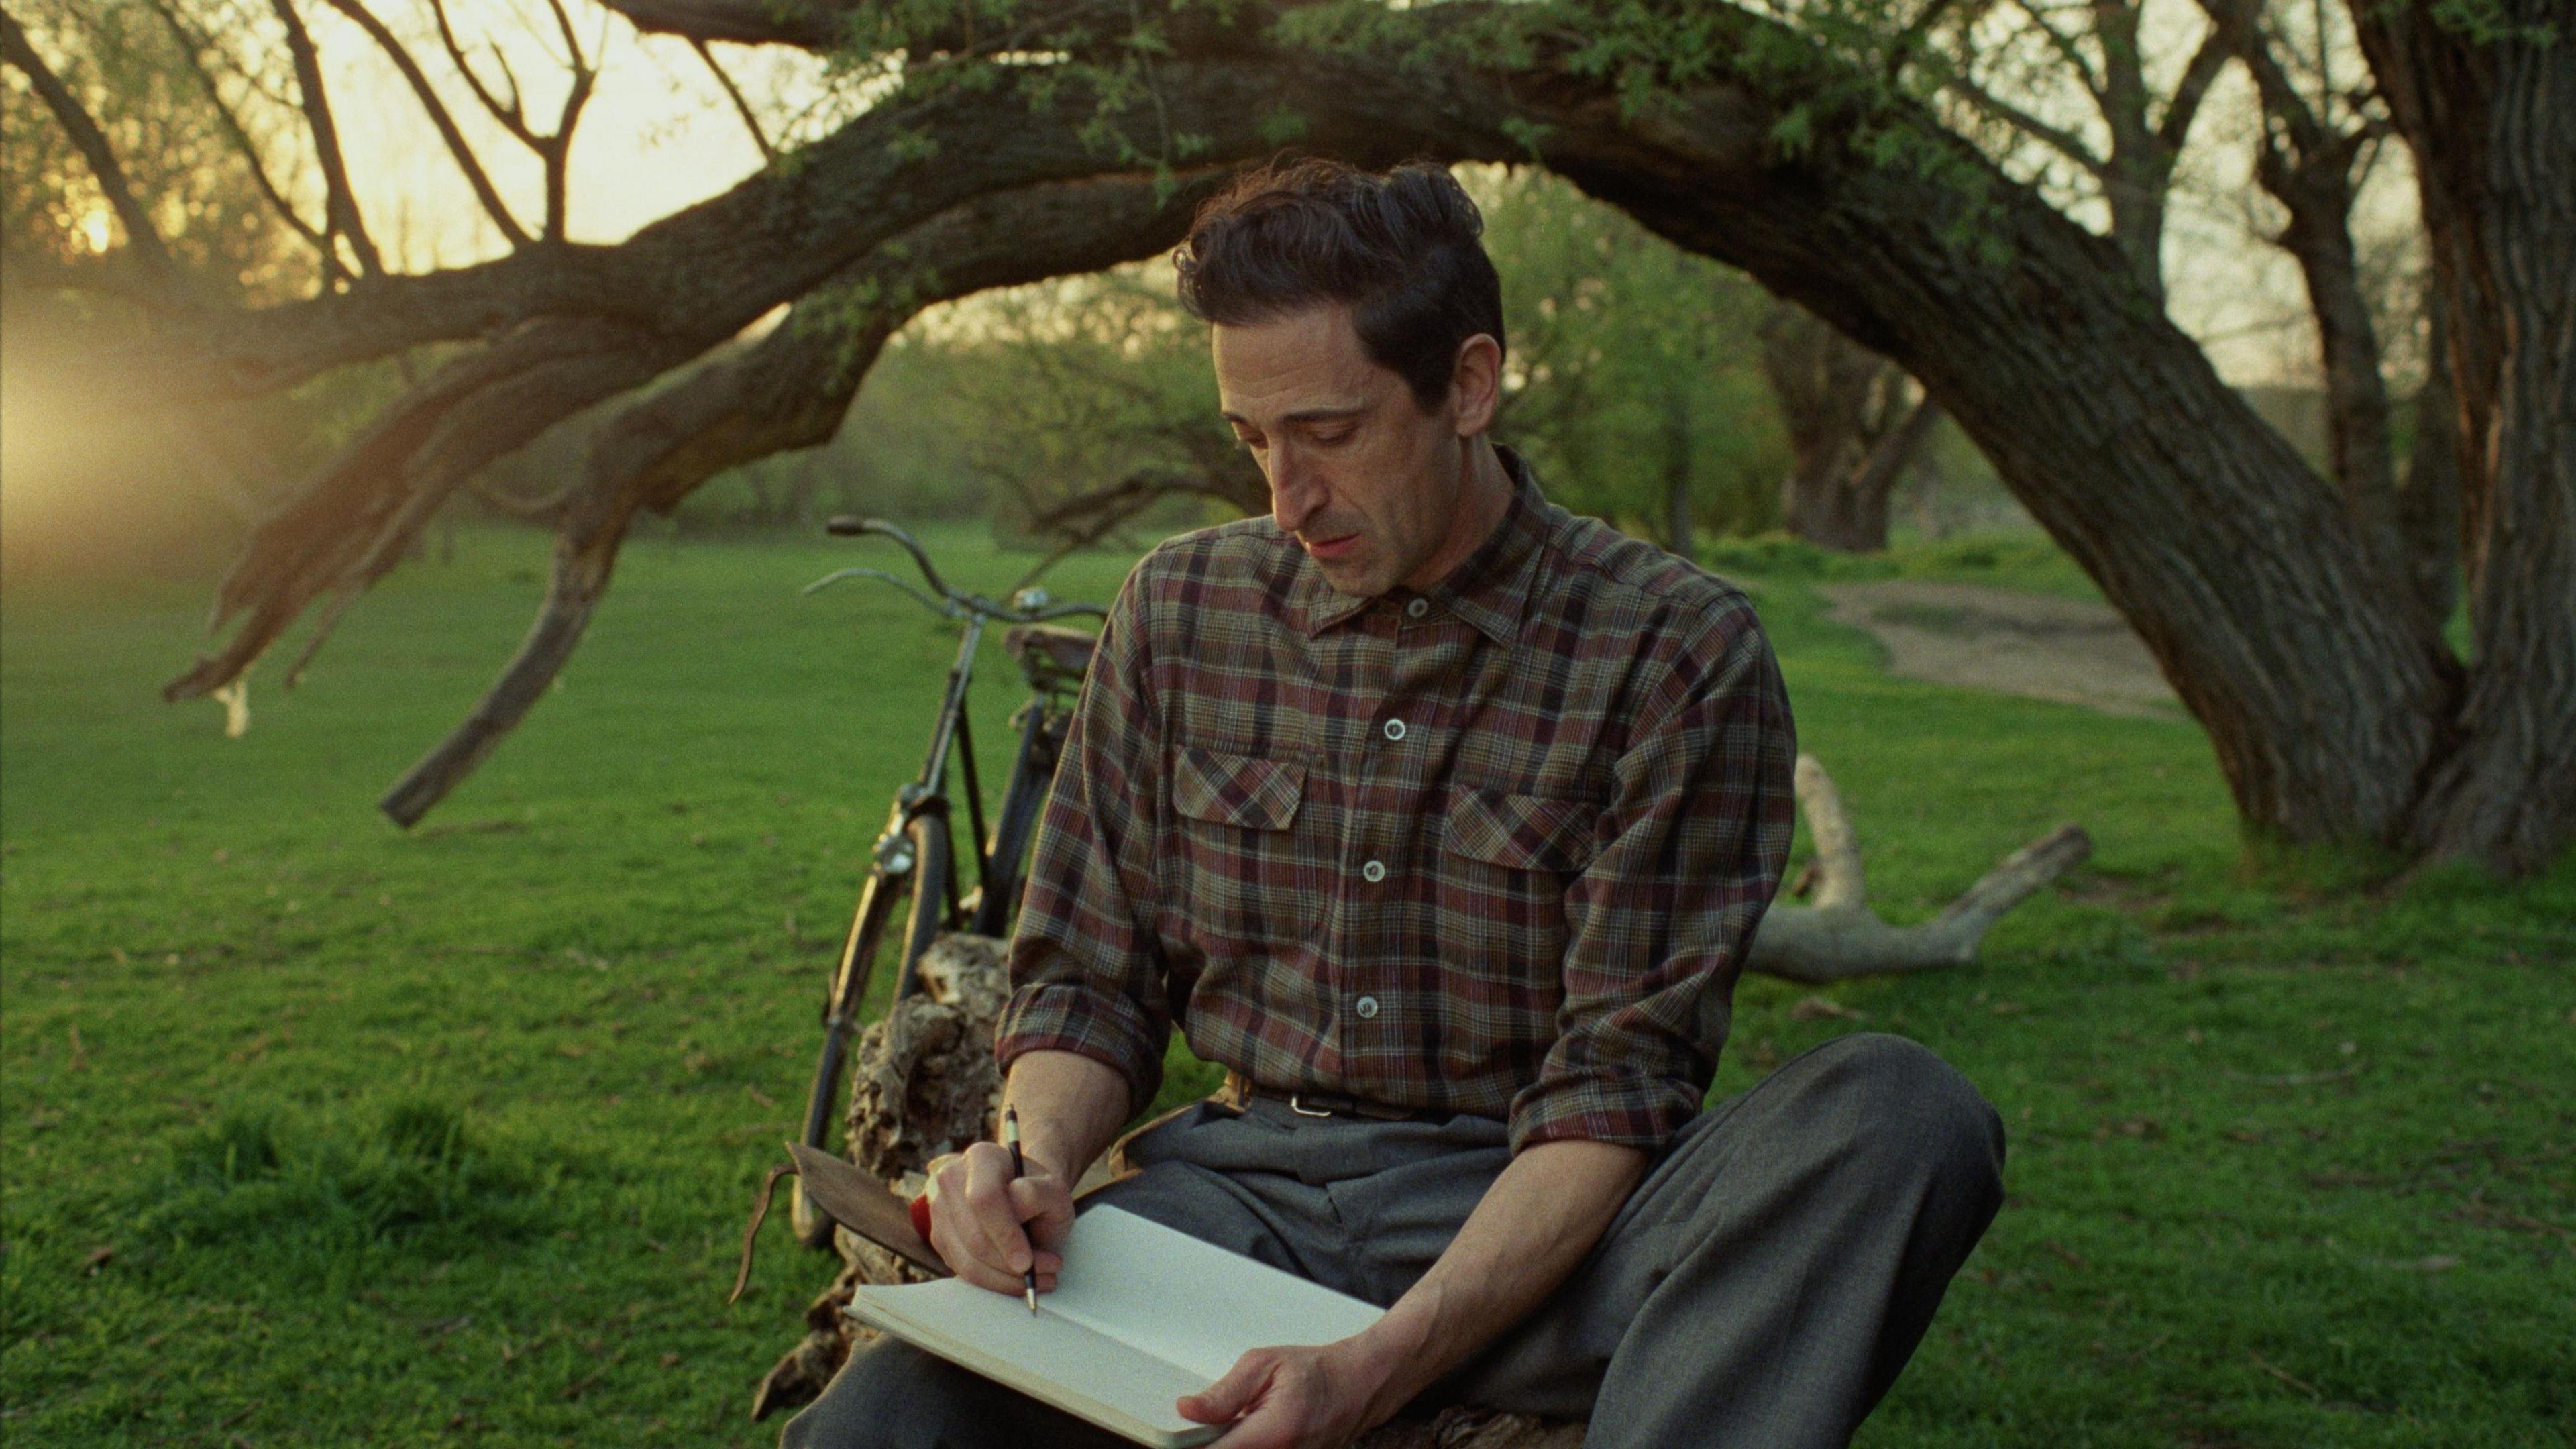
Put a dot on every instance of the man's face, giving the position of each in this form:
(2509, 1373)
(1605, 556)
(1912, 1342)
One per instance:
(1359, 474)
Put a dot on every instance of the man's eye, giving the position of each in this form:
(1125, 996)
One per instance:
(1330, 440)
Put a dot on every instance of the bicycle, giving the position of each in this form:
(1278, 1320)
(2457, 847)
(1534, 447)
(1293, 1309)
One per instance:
(915, 856)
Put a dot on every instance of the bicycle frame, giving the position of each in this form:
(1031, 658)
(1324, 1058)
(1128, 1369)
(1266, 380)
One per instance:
(997, 854)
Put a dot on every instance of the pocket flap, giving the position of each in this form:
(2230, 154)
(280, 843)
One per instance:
(1232, 789)
(1523, 832)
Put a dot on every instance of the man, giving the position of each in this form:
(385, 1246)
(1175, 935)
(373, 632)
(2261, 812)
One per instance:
(1443, 819)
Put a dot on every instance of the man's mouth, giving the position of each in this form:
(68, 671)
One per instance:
(1332, 547)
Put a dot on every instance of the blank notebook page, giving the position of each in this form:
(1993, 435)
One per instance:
(1141, 1315)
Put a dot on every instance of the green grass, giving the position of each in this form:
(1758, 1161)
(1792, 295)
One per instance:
(2017, 560)
(313, 1132)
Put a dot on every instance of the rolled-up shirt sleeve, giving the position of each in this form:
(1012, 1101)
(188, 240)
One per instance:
(1086, 973)
(1659, 921)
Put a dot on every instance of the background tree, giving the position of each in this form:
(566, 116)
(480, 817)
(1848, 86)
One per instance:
(1087, 402)
(132, 116)
(2322, 130)
(1854, 424)
(1633, 382)
(2075, 83)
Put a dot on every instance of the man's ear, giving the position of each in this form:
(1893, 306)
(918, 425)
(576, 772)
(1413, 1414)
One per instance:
(1476, 383)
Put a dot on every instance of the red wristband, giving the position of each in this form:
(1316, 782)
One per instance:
(921, 1214)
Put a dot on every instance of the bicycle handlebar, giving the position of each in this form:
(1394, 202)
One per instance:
(1029, 606)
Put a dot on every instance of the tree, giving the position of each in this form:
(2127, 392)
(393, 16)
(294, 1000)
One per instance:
(2122, 138)
(1093, 396)
(2485, 95)
(2317, 141)
(1045, 139)
(1631, 381)
(1852, 429)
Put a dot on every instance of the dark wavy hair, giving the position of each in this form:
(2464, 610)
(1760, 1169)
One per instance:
(1401, 250)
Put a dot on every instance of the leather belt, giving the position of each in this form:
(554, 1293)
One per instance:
(1305, 1103)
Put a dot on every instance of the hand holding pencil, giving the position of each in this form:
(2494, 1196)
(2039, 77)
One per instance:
(997, 1216)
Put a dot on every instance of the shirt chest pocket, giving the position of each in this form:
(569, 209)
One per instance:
(1547, 834)
(1239, 872)
(1245, 791)
(1505, 862)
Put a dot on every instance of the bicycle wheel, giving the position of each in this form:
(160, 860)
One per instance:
(921, 892)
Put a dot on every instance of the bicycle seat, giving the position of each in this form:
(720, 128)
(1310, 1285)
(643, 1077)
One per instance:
(1053, 658)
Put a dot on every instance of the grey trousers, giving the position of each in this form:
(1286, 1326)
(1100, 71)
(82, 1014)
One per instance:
(1762, 1286)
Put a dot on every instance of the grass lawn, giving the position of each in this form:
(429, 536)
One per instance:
(314, 1132)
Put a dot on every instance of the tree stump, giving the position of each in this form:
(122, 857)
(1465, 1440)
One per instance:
(924, 1084)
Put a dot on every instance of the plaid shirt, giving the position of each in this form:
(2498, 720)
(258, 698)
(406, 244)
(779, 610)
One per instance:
(1497, 847)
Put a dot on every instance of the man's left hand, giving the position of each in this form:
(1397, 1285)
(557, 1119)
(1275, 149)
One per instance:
(1293, 1398)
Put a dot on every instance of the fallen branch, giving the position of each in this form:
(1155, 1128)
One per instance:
(1839, 937)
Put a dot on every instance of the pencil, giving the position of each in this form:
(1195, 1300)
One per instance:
(1020, 1168)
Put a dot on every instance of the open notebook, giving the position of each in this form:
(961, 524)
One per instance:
(1140, 1316)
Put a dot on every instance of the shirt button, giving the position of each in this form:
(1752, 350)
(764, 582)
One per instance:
(1373, 872)
(1366, 1006)
(1395, 729)
(1417, 608)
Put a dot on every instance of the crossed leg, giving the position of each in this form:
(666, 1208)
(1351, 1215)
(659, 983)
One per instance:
(1762, 1286)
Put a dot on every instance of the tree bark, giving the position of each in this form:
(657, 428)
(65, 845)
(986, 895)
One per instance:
(2492, 121)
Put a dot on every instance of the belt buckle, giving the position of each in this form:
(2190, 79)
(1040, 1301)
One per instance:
(1297, 1105)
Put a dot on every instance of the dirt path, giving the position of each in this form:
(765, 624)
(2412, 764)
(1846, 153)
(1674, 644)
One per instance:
(2073, 651)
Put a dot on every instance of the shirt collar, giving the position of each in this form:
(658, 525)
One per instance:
(1489, 589)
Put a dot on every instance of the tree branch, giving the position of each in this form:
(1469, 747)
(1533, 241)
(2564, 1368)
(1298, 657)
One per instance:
(557, 148)
(717, 266)
(741, 107)
(2197, 77)
(2064, 142)
(789, 390)
(1839, 937)
(142, 239)
(466, 161)
(340, 202)
(2236, 25)
(513, 117)
(2072, 53)
(805, 24)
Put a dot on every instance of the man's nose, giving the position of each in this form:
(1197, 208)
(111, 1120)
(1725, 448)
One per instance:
(1294, 492)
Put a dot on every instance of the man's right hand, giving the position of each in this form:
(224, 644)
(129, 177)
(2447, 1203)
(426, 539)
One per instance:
(990, 1227)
